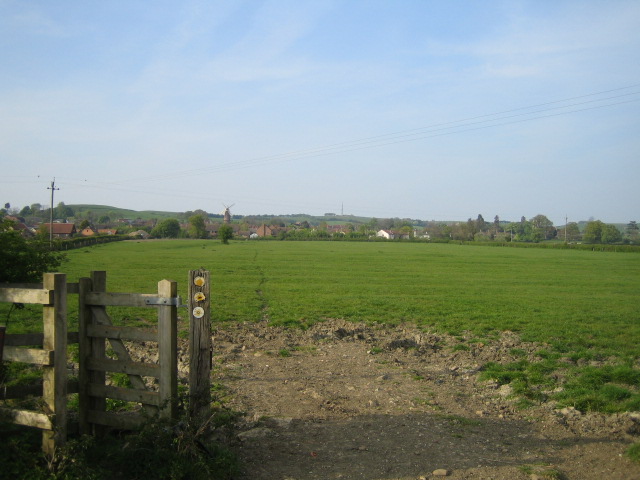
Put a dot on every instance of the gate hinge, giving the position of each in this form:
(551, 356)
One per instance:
(172, 301)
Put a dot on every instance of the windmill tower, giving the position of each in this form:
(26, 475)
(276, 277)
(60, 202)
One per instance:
(227, 213)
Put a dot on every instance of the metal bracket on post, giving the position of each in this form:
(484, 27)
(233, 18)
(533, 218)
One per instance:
(172, 301)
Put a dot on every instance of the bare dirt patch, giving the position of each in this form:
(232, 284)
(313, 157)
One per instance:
(352, 401)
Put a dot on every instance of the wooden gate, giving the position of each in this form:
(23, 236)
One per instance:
(52, 294)
(95, 330)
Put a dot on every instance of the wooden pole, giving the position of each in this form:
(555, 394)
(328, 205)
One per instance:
(97, 351)
(84, 347)
(200, 347)
(54, 385)
(168, 350)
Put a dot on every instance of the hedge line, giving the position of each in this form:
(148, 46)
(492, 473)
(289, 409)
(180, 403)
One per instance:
(80, 242)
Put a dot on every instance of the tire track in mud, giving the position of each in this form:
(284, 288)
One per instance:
(264, 304)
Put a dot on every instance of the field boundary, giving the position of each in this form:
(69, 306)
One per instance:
(95, 360)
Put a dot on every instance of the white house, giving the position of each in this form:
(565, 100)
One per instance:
(388, 234)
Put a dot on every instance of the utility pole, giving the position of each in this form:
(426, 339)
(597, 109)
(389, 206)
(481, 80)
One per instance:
(566, 223)
(53, 188)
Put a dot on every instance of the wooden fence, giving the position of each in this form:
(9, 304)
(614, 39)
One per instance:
(52, 356)
(95, 330)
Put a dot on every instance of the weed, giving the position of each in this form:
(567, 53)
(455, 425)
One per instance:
(608, 389)
(633, 452)
(160, 449)
(543, 471)
(460, 347)
(284, 353)
(17, 373)
(461, 421)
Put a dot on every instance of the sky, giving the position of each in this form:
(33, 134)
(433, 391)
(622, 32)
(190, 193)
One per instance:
(432, 110)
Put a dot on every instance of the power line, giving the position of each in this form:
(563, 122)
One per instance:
(491, 120)
(446, 128)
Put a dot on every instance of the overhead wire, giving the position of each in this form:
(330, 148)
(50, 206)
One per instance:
(448, 128)
(491, 120)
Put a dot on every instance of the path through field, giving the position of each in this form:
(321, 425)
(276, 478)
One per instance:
(350, 401)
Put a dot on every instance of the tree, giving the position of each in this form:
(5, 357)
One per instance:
(496, 223)
(480, 223)
(25, 212)
(169, 228)
(225, 233)
(593, 232)
(197, 227)
(62, 211)
(572, 232)
(24, 260)
(543, 228)
(611, 234)
(633, 232)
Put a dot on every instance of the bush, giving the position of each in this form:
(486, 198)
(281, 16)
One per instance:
(23, 260)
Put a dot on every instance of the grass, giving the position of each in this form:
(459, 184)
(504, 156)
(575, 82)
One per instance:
(633, 452)
(581, 304)
(574, 300)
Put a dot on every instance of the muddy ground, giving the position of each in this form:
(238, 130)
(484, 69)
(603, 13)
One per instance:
(351, 401)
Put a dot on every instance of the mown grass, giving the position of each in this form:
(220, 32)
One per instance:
(583, 305)
(576, 301)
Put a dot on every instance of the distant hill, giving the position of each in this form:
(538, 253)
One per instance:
(115, 213)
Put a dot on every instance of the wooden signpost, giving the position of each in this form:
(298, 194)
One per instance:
(200, 347)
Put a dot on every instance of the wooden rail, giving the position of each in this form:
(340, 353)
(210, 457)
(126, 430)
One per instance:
(52, 294)
(95, 330)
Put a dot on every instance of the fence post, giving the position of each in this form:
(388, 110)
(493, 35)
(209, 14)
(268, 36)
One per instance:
(54, 385)
(97, 349)
(168, 350)
(200, 348)
(84, 344)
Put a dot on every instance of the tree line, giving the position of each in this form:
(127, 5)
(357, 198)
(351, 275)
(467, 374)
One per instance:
(193, 224)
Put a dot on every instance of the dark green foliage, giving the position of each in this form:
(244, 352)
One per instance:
(24, 260)
(160, 450)
(225, 233)
(20, 456)
(169, 228)
(197, 227)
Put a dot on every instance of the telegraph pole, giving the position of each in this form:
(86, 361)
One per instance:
(566, 224)
(53, 188)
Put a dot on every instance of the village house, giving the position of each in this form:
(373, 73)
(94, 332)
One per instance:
(88, 232)
(140, 234)
(265, 231)
(388, 234)
(60, 230)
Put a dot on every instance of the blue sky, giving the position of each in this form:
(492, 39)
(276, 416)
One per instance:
(421, 109)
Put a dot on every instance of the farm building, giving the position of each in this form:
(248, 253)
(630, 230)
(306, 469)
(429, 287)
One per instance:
(388, 234)
(60, 230)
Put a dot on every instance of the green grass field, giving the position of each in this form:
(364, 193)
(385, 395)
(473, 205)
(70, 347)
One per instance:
(573, 300)
(584, 305)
